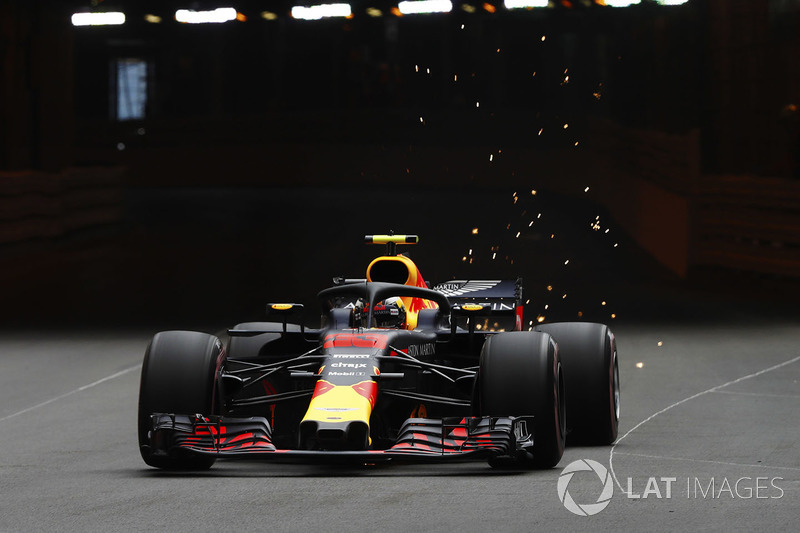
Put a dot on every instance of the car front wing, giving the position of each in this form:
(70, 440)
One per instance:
(419, 440)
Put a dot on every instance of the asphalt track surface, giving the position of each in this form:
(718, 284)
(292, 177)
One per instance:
(710, 389)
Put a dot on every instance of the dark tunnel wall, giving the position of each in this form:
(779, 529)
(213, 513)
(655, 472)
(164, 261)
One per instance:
(559, 96)
(495, 80)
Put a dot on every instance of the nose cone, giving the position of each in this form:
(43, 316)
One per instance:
(350, 435)
(338, 416)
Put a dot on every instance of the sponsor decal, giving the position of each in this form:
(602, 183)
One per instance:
(442, 287)
(421, 349)
(460, 288)
(348, 365)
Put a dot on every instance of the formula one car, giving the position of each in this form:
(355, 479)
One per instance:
(398, 372)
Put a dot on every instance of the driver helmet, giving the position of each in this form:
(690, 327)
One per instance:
(390, 313)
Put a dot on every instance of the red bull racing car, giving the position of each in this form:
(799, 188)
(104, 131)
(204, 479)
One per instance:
(398, 371)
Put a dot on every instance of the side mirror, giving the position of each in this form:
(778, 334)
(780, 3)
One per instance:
(284, 311)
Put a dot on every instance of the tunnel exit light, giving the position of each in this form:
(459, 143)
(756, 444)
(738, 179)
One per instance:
(518, 4)
(217, 16)
(425, 6)
(321, 11)
(622, 3)
(112, 18)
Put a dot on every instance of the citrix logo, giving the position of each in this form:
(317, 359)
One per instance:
(586, 509)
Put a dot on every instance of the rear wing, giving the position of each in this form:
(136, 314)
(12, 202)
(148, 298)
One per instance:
(503, 296)
(485, 298)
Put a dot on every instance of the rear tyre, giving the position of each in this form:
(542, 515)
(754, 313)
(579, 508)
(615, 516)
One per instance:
(589, 356)
(179, 375)
(520, 375)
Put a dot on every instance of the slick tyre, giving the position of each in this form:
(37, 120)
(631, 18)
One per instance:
(589, 356)
(179, 375)
(520, 375)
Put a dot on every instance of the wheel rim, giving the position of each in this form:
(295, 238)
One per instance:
(615, 386)
(562, 405)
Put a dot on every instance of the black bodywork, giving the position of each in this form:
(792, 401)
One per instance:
(419, 384)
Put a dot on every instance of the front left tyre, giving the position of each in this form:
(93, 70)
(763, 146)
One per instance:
(589, 354)
(179, 375)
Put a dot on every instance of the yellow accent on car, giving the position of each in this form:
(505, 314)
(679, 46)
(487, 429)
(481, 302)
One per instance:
(341, 403)
(396, 269)
(393, 269)
(396, 239)
(400, 269)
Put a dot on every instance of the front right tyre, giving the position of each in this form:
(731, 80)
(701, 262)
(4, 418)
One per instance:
(179, 376)
(520, 374)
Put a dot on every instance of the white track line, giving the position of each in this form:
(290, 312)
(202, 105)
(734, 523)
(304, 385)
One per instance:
(760, 394)
(70, 393)
(706, 461)
(680, 402)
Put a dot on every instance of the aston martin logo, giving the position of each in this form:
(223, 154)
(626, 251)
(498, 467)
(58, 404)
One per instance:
(462, 287)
